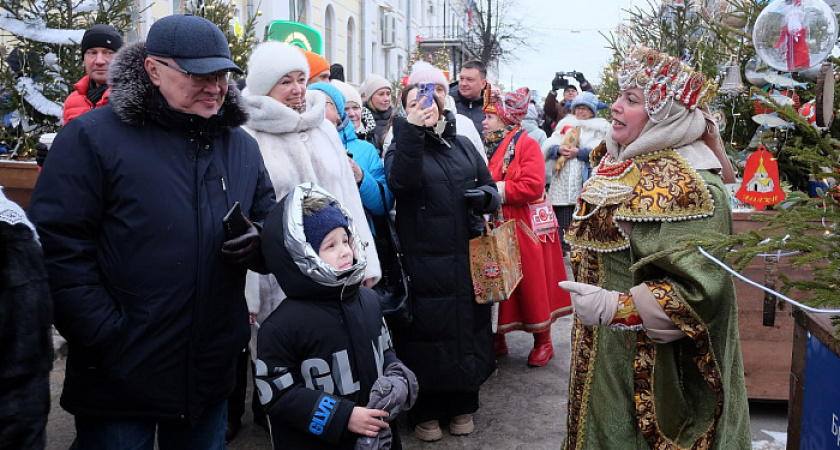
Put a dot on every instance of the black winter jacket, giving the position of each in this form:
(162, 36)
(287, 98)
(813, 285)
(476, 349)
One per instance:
(129, 209)
(320, 351)
(449, 344)
(474, 109)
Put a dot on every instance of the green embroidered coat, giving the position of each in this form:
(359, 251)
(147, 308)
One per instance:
(626, 391)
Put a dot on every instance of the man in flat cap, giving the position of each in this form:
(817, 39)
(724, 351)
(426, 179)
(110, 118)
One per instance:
(99, 45)
(147, 285)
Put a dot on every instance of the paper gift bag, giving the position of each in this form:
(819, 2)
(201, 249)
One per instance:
(495, 263)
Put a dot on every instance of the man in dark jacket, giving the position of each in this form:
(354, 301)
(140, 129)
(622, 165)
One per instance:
(148, 290)
(469, 93)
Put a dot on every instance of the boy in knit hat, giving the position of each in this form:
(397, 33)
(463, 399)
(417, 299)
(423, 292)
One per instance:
(315, 376)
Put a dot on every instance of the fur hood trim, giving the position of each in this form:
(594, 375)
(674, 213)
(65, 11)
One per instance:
(137, 101)
(270, 116)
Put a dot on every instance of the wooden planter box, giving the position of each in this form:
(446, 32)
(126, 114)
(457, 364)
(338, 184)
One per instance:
(814, 413)
(18, 180)
(766, 350)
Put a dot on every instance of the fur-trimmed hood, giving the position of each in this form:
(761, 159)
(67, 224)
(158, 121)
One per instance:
(137, 101)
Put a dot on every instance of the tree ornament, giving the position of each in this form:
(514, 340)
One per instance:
(809, 112)
(732, 84)
(50, 59)
(792, 35)
(730, 15)
(761, 180)
(756, 70)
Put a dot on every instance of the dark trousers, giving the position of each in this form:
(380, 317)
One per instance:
(564, 215)
(236, 401)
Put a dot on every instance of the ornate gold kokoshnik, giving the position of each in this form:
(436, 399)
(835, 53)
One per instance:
(664, 79)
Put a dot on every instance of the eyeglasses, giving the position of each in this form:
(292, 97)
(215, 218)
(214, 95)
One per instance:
(200, 79)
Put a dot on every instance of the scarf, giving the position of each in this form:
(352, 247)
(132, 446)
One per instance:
(95, 92)
(492, 139)
(687, 132)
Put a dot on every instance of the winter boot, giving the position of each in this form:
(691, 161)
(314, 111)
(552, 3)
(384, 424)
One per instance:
(543, 350)
(500, 347)
(428, 431)
(461, 425)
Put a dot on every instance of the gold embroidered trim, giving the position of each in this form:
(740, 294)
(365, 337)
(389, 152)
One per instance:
(704, 356)
(668, 189)
(584, 349)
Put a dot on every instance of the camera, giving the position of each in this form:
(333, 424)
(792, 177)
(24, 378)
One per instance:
(566, 74)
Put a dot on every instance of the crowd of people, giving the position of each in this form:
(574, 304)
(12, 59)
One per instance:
(193, 226)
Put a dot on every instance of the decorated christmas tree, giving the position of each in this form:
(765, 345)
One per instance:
(42, 61)
(779, 106)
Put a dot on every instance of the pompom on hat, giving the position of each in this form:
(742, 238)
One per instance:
(350, 93)
(317, 63)
(270, 61)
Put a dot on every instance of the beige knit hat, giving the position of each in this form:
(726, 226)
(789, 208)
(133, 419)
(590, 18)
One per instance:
(373, 83)
(350, 93)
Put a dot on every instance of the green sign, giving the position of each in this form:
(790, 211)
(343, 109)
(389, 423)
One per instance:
(294, 33)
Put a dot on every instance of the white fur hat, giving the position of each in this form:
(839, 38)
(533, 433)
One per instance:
(373, 83)
(350, 93)
(269, 62)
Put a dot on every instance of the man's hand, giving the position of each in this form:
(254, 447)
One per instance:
(580, 78)
(245, 250)
(366, 421)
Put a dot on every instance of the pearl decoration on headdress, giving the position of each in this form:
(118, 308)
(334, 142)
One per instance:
(664, 79)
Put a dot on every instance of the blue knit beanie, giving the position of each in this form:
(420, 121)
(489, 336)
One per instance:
(336, 96)
(318, 225)
(587, 99)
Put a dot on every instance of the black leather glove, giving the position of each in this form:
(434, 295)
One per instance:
(476, 199)
(245, 250)
(580, 78)
(41, 151)
(558, 83)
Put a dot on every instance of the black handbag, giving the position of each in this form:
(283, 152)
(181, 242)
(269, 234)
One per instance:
(393, 290)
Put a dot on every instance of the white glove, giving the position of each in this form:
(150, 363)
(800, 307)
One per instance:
(593, 305)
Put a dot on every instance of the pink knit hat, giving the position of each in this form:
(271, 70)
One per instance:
(422, 72)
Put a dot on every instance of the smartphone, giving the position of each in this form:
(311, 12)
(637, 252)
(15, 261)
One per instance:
(426, 90)
(234, 223)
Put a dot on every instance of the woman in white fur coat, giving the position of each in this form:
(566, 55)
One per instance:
(567, 183)
(298, 145)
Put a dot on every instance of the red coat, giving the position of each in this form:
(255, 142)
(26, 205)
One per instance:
(538, 301)
(77, 102)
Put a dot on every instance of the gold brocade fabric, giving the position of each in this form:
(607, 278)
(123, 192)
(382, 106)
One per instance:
(659, 186)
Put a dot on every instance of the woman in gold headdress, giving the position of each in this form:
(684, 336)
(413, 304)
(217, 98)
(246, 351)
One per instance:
(656, 353)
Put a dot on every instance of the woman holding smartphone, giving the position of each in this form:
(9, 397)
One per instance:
(440, 183)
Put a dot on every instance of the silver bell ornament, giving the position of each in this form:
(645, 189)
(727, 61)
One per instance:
(792, 35)
(732, 84)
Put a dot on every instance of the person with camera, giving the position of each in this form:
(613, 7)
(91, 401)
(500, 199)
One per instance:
(555, 111)
(440, 183)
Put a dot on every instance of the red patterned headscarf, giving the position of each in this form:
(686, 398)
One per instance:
(511, 109)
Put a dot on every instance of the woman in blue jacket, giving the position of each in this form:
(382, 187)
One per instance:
(367, 166)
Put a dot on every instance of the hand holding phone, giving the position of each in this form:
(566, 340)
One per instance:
(234, 223)
(426, 90)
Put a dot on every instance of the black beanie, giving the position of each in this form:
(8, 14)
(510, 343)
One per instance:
(101, 35)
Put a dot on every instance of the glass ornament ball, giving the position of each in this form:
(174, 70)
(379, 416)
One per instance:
(50, 59)
(756, 71)
(792, 35)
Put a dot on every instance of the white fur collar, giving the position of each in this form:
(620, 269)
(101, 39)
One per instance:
(270, 116)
